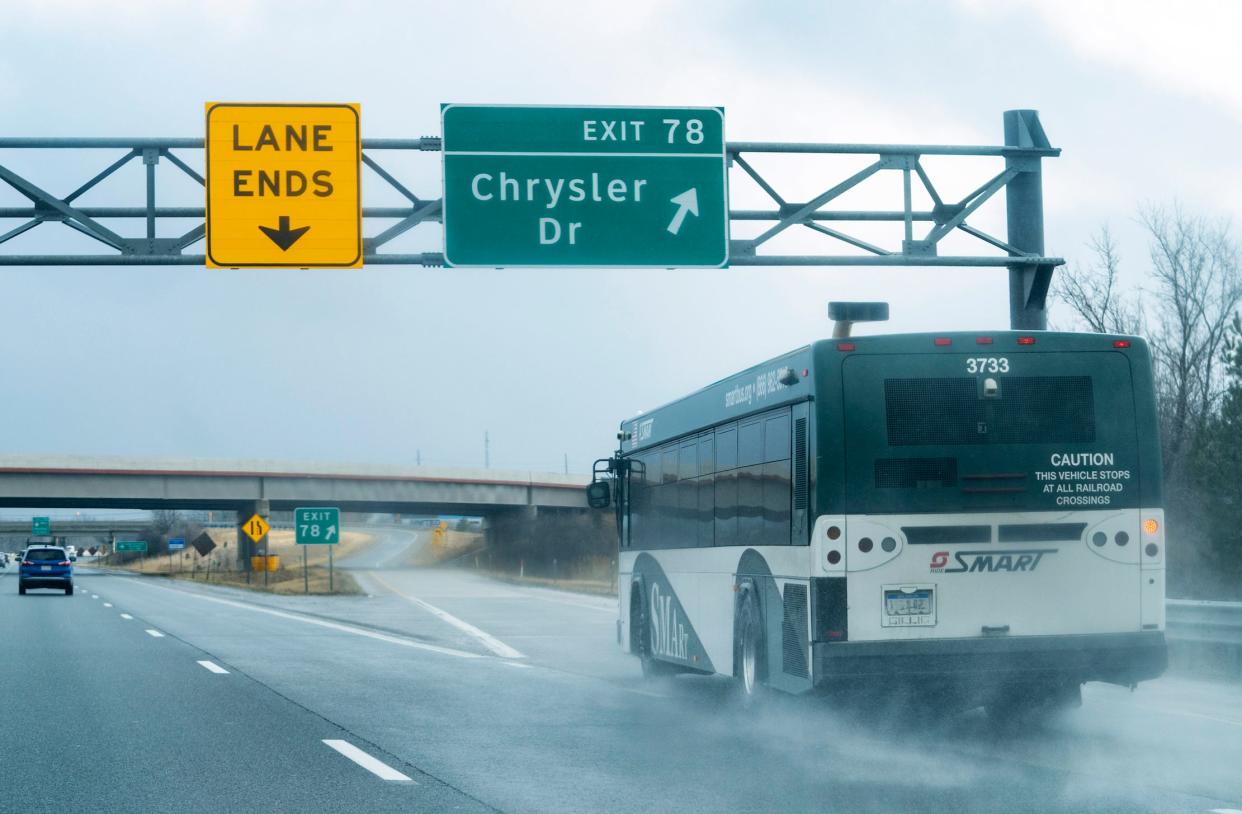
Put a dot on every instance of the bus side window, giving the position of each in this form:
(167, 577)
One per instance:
(704, 517)
(725, 486)
(750, 482)
(777, 483)
(687, 494)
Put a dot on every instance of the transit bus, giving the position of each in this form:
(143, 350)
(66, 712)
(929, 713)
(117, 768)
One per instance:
(977, 514)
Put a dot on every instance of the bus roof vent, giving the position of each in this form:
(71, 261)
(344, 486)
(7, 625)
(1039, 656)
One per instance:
(845, 314)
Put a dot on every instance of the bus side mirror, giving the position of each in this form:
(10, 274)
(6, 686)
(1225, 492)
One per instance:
(599, 494)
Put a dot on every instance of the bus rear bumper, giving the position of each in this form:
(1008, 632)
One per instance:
(1117, 658)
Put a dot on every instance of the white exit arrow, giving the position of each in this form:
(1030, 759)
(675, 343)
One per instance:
(687, 201)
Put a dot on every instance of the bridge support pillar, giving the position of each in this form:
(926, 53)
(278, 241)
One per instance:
(246, 546)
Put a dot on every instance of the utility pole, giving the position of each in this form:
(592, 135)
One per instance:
(566, 463)
(487, 451)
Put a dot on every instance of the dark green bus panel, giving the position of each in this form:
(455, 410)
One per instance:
(925, 423)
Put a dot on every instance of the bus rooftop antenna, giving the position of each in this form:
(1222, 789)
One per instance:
(845, 314)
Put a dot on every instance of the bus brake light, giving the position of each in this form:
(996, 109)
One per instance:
(1026, 340)
(845, 346)
(942, 341)
(983, 340)
(1121, 343)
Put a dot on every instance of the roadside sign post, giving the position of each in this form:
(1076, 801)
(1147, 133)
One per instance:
(317, 525)
(256, 529)
(284, 185)
(174, 544)
(634, 187)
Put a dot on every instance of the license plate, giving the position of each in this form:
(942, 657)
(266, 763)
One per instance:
(45, 568)
(909, 606)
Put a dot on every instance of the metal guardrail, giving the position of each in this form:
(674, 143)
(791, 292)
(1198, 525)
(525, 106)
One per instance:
(1194, 620)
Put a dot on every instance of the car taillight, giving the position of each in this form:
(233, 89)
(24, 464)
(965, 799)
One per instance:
(27, 562)
(63, 562)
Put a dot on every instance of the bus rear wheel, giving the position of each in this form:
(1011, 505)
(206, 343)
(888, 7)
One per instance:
(640, 642)
(751, 664)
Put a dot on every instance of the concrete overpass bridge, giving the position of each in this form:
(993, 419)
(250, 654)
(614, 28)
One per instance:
(261, 487)
(148, 483)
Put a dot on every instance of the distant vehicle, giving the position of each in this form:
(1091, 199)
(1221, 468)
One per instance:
(45, 567)
(72, 551)
(975, 515)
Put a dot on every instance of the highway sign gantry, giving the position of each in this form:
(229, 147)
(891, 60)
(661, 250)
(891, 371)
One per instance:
(40, 526)
(317, 525)
(256, 528)
(585, 186)
(284, 185)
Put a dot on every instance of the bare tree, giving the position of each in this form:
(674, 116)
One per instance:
(1094, 291)
(1197, 288)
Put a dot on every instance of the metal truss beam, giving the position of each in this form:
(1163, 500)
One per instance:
(1025, 147)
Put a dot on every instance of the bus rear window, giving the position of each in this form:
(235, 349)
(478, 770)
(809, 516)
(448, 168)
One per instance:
(1022, 410)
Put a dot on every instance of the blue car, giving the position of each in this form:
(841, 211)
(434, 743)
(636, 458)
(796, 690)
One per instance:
(45, 566)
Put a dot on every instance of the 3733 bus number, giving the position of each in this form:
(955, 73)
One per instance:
(987, 364)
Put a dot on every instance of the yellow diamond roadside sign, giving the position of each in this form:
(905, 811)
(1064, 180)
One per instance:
(284, 185)
(256, 528)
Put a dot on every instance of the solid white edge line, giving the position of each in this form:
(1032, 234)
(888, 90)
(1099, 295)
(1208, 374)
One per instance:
(126, 616)
(154, 633)
(213, 667)
(486, 639)
(376, 767)
(370, 634)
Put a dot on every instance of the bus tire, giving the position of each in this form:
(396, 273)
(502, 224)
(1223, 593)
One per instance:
(750, 663)
(640, 638)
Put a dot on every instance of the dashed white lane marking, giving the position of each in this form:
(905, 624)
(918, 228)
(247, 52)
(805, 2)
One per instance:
(126, 616)
(213, 667)
(486, 639)
(376, 767)
(155, 633)
(1226, 811)
(94, 596)
(370, 634)
(516, 664)
(107, 604)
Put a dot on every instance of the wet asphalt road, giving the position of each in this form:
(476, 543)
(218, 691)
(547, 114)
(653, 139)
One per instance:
(491, 696)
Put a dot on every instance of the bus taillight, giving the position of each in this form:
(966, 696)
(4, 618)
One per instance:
(1026, 340)
(942, 341)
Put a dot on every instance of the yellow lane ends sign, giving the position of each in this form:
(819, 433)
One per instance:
(256, 528)
(284, 185)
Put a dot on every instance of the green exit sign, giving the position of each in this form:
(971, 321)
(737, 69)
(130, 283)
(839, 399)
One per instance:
(317, 525)
(40, 526)
(131, 545)
(633, 187)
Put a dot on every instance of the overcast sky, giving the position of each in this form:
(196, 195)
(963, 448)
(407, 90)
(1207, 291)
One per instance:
(387, 363)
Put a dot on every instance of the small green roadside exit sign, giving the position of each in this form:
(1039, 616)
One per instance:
(317, 525)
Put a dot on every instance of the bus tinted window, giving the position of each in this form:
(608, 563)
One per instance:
(750, 443)
(726, 447)
(669, 464)
(776, 438)
(707, 454)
